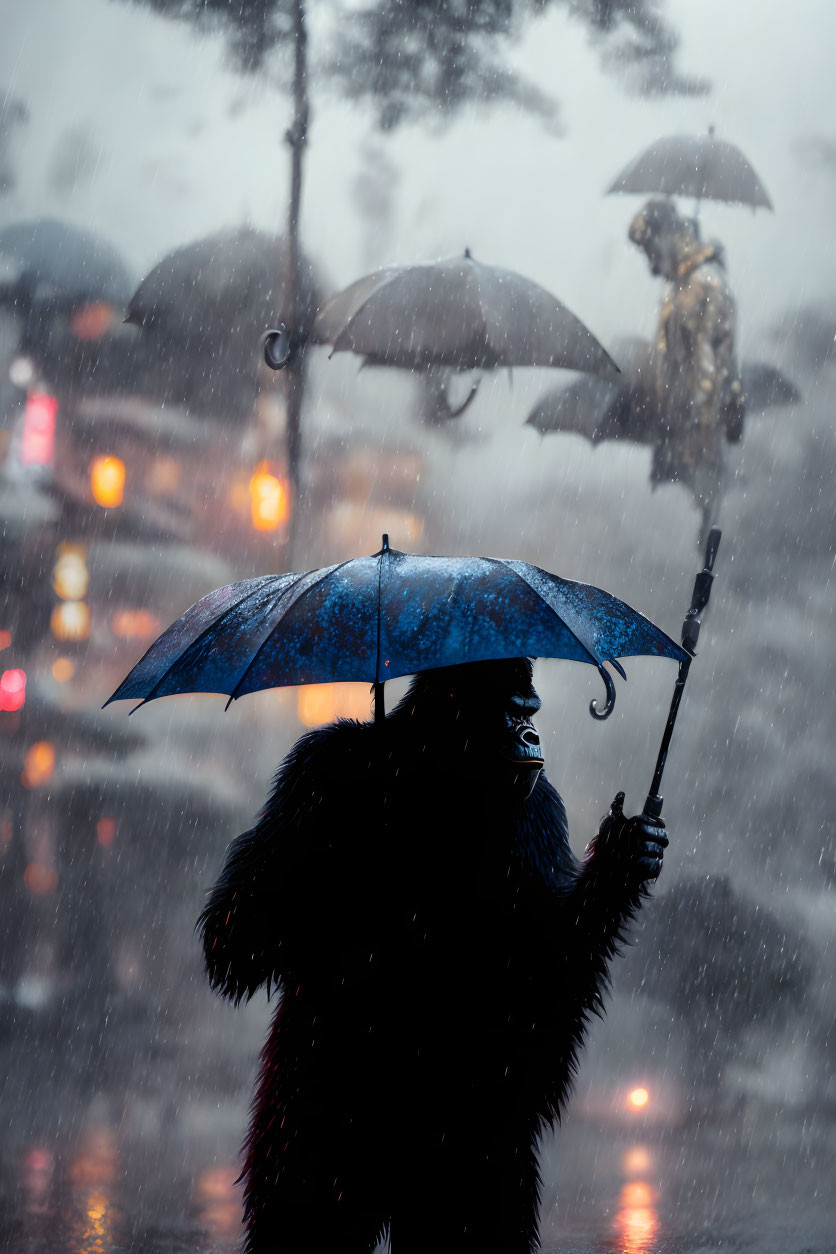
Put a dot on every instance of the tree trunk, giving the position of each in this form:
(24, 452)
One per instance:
(297, 138)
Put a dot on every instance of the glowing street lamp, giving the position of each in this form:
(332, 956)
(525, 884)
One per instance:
(107, 481)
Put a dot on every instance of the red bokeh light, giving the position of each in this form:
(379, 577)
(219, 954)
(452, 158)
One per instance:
(12, 690)
(38, 444)
(106, 831)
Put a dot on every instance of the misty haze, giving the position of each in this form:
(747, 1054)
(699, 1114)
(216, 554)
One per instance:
(170, 189)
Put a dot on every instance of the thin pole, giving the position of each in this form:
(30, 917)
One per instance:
(379, 706)
(690, 636)
(297, 139)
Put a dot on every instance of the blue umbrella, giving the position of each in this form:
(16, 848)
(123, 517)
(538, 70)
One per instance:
(375, 618)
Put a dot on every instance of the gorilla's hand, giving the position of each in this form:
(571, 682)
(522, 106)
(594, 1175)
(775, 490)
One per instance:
(633, 846)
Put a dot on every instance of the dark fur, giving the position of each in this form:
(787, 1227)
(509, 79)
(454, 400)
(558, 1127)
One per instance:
(439, 951)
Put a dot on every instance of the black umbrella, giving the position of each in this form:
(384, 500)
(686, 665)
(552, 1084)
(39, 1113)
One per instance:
(375, 618)
(46, 263)
(226, 283)
(700, 166)
(461, 314)
(627, 409)
(203, 311)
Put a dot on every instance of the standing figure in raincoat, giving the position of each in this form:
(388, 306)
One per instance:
(693, 370)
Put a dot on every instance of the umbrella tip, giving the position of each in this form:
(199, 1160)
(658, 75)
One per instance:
(711, 130)
(385, 547)
(468, 254)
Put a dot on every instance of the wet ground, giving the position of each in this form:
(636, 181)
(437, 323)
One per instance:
(94, 1187)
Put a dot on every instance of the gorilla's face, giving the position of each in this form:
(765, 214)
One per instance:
(492, 705)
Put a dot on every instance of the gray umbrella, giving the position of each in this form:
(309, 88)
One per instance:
(461, 314)
(700, 166)
(44, 262)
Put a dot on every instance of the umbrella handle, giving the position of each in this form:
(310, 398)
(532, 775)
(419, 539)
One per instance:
(610, 703)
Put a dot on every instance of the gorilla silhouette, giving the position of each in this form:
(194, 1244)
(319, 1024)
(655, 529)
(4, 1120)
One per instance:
(410, 889)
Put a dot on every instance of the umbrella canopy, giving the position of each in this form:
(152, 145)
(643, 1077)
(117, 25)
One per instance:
(50, 263)
(203, 310)
(458, 313)
(228, 282)
(628, 409)
(700, 166)
(374, 618)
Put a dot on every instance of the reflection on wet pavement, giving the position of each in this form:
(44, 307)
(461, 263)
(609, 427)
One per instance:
(219, 1202)
(637, 1219)
(96, 1192)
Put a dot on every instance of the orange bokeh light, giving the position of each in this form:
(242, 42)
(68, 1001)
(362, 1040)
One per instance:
(637, 1220)
(638, 1099)
(322, 703)
(637, 1161)
(90, 322)
(63, 669)
(134, 624)
(38, 764)
(269, 500)
(5, 639)
(107, 481)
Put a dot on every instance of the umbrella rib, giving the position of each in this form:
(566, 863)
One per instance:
(171, 665)
(330, 570)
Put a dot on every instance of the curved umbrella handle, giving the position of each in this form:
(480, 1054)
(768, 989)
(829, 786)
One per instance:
(610, 703)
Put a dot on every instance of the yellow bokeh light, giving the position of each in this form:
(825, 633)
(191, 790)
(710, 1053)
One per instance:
(70, 576)
(107, 481)
(70, 621)
(269, 500)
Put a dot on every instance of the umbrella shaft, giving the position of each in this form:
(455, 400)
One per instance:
(653, 805)
(379, 707)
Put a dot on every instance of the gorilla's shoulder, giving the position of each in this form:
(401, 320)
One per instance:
(328, 757)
